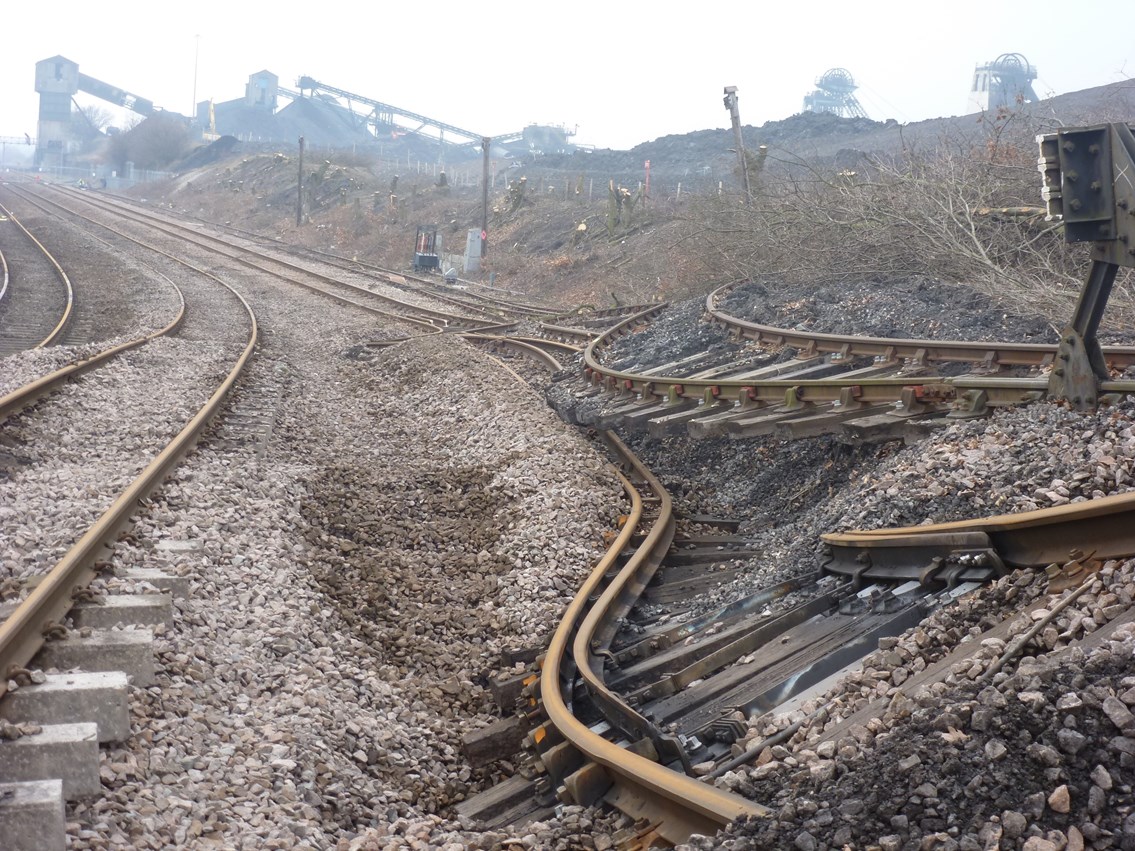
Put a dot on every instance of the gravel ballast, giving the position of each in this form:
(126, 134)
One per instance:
(413, 515)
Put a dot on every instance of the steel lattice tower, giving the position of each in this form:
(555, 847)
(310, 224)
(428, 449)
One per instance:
(835, 93)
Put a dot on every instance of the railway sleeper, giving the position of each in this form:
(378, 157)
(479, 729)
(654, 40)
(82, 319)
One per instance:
(66, 716)
(785, 670)
(893, 425)
(659, 636)
(677, 421)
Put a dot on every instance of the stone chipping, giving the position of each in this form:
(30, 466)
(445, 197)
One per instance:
(300, 707)
(297, 707)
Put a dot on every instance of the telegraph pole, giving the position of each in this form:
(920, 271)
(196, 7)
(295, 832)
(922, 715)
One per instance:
(299, 194)
(485, 142)
(735, 117)
(196, 54)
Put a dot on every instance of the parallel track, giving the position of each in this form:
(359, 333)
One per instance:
(474, 315)
(22, 634)
(623, 764)
(33, 316)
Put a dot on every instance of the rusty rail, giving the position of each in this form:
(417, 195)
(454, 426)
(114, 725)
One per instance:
(22, 633)
(675, 805)
(991, 353)
(1098, 528)
(914, 392)
(57, 331)
(21, 397)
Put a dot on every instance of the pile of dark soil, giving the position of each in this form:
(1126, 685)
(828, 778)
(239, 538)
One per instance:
(1043, 757)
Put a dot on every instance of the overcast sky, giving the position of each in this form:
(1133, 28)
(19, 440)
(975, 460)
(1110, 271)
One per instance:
(619, 73)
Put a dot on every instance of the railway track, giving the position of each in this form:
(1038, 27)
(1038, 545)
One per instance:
(472, 315)
(37, 297)
(636, 697)
(804, 384)
(63, 618)
(475, 296)
(24, 632)
(698, 675)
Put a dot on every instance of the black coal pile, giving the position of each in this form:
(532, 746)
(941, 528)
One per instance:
(917, 307)
(1043, 762)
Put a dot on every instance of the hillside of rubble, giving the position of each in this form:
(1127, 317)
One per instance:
(595, 226)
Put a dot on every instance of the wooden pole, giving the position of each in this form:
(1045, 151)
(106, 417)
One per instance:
(299, 194)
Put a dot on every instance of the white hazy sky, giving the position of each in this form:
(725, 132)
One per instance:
(621, 73)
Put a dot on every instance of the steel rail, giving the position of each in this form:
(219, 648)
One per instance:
(933, 391)
(148, 217)
(397, 279)
(677, 804)
(18, 399)
(390, 277)
(525, 347)
(508, 306)
(558, 345)
(157, 224)
(1035, 355)
(57, 331)
(429, 327)
(22, 633)
(567, 331)
(1099, 528)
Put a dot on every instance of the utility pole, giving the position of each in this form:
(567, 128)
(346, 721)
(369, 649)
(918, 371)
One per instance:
(485, 142)
(735, 117)
(299, 194)
(196, 54)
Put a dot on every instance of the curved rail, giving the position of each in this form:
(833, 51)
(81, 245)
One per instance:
(885, 348)
(564, 332)
(931, 391)
(428, 327)
(57, 331)
(21, 397)
(440, 292)
(431, 325)
(389, 278)
(676, 805)
(525, 347)
(22, 633)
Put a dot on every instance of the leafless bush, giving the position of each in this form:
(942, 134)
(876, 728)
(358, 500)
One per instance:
(155, 143)
(952, 212)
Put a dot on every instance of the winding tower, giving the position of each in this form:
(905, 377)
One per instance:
(1003, 83)
(835, 93)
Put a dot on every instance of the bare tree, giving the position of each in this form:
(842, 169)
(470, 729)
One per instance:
(95, 117)
(155, 143)
(965, 210)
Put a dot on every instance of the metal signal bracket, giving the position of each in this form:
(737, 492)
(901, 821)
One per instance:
(1088, 184)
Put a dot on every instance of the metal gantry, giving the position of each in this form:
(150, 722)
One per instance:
(835, 93)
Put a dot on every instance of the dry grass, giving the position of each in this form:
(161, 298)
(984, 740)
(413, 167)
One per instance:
(919, 213)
